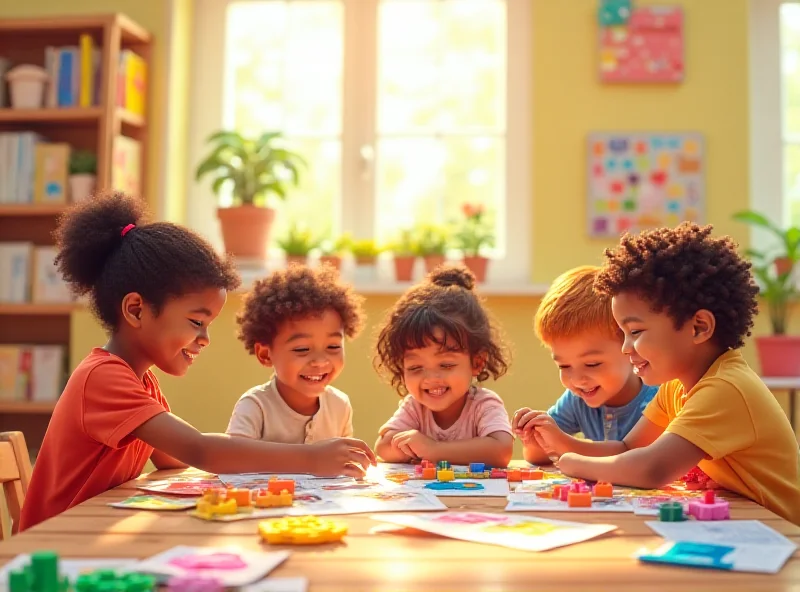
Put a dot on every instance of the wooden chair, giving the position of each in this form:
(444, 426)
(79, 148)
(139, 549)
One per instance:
(15, 475)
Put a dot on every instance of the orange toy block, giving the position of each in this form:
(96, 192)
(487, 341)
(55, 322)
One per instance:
(276, 486)
(536, 475)
(603, 489)
(429, 473)
(242, 496)
(579, 500)
(514, 475)
(525, 474)
(544, 494)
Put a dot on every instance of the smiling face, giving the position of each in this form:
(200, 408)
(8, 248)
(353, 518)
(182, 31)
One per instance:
(658, 351)
(174, 337)
(307, 354)
(439, 377)
(592, 366)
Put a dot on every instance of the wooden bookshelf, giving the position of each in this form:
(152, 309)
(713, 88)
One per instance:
(23, 41)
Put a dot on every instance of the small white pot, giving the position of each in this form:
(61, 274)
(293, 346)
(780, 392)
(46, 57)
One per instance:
(81, 186)
(26, 85)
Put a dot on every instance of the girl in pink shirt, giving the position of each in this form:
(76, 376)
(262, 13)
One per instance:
(437, 340)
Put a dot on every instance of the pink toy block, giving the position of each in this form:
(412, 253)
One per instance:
(498, 474)
(418, 470)
(710, 508)
(563, 494)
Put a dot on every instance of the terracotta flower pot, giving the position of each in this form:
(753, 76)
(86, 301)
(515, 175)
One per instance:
(297, 259)
(783, 265)
(478, 266)
(779, 355)
(369, 260)
(433, 261)
(246, 230)
(404, 267)
(333, 260)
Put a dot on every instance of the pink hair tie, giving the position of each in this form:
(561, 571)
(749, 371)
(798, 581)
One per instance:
(127, 229)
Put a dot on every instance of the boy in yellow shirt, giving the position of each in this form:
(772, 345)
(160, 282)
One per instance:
(685, 301)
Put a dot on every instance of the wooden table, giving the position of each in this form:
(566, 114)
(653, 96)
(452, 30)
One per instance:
(409, 562)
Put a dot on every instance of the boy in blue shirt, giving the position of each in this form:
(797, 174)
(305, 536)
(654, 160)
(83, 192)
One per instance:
(604, 397)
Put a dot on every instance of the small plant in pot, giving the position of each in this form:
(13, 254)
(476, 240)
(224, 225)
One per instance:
(473, 234)
(405, 251)
(775, 270)
(297, 244)
(82, 174)
(432, 244)
(331, 251)
(365, 252)
(257, 170)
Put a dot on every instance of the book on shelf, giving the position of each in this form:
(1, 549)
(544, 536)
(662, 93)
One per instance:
(35, 373)
(51, 171)
(131, 82)
(28, 275)
(126, 165)
(17, 164)
(74, 72)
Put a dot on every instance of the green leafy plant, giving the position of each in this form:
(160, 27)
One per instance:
(363, 249)
(298, 241)
(332, 248)
(475, 231)
(405, 246)
(432, 240)
(254, 168)
(774, 268)
(83, 162)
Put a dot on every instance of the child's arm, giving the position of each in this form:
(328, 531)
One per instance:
(532, 452)
(650, 467)
(220, 453)
(163, 462)
(388, 451)
(495, 449)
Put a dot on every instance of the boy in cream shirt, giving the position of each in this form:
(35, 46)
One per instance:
(295, 322)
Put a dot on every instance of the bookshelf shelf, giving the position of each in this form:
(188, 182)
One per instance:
(128, 118)
(67, 115)
(32, 309)
(30, 210)
(27, 407)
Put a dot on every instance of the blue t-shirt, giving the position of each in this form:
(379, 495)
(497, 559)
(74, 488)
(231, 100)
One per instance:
(572, 415)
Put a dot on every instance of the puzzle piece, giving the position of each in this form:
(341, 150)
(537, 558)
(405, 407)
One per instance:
(302, 530)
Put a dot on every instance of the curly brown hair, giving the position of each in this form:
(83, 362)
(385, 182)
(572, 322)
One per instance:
(295, 293)
(683, 270)
(444, 300)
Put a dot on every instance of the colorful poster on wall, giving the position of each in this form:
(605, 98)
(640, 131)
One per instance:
(641, 44)
(640, 180)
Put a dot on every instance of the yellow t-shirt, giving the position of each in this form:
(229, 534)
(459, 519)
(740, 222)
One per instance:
(733, 417)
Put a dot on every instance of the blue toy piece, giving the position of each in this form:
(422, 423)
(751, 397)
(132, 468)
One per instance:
(443, 485)
(614, 12)
(477, 467)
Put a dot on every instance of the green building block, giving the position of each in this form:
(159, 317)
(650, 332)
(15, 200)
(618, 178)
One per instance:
(671, 512)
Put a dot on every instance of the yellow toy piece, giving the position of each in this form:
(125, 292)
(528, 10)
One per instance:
(267, 499)
(445, 475)
(207, 510)
(301, 530)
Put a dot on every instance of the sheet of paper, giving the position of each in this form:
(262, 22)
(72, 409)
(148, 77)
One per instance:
(190, 487)
(753, 546)
(506, 530)
(733, 557)
(528, 502)
(155, 502)
(260, 480)
(71, 568)
(278, 585)
(231, 565)
(489, 488)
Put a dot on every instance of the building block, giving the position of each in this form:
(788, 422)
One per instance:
(461, 475)
(242, 496)
(525, 474)
(483, 475)
(215, 495)
(278, 485)
(429, 473)
(426, 463)
(536, 475)
(418, 469)
(207, 509)
(443, 464)
(267, 499)
(671, 512)
(476, 467)
(514, 475)
(445, 475)
(497, 474)
(581, 499)
(603, 489)
(194, 584)
(563, 494)
(545, 494)
(614, 12)
(301, 530)
(710, 508)
(41, 574)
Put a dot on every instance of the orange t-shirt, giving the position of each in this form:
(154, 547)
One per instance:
(88, 447)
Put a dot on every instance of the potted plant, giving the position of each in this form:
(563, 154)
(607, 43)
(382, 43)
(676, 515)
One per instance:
(82, 174)
(405, 251)
(330, 251)
(775, 271)
(297, 244)
(257, 170)
(365, 252)
(432, 245)
(473, 234)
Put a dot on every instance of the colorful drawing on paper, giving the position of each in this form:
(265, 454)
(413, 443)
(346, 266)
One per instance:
(155, 502)
(641, 180)
(194, 486)
(514, 531)
(531, 502)
(640, 44)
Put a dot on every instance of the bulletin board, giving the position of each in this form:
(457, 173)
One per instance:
(642, 44)
(640, 180)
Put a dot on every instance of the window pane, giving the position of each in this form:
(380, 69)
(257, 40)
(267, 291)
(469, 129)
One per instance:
(791, 167)
(790, 66)
(284, 63)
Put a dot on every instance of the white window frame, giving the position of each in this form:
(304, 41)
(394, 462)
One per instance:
(206, 116)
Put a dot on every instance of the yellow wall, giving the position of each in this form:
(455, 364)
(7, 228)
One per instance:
(569, 103)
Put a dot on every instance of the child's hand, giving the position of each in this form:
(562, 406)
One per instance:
(548, 435)
(414, 443)
(521, 418)
(342, 456)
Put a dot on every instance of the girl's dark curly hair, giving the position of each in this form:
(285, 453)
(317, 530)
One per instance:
(294, 293)
(107, 249)
(445, 300)
(682, 270)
